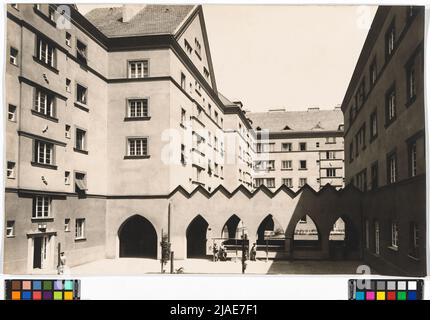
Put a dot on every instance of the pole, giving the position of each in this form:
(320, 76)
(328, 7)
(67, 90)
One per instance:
(172, 256)
(58, 256)
(243, 250)
(168, 223)
(161, 245)
(267, 250)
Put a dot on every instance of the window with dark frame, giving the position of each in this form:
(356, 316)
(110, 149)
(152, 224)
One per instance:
(45, 52)
(394, 235)
(68, 39)
(13, 58)
(390, 39)
(138, 108)
(68, 85)
(44, 152)
(138, 69)
(390, 105)
(11, 113)
(41, 207)
(81, 94)
(303, 164)
(391, 168)
(81, 139)
(44, 103)
(10, 228)
(81, 52)
(137, 147)
(287, 182)
(302, 182)
(67, 178)
(410, 83)
(10, 173)
(80, 182)
(51, 13)
(331, 172)
(412, 150)
(373, 72)
(373, 125)
(183, 81)
(302, 146)
(80, 229)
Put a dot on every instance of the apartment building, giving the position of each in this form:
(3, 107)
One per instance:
(295, 148)
(385, 139)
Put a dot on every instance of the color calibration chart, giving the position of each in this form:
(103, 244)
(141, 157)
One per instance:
(42, 289)
(386, 289)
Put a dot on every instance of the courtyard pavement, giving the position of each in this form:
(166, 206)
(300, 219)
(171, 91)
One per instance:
(139, 266)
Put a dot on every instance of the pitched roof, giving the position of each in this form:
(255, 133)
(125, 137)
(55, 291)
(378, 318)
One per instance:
(152, 19)
(225, 100)
(314, 120)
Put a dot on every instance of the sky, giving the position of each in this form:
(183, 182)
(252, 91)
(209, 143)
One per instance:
(284, 56)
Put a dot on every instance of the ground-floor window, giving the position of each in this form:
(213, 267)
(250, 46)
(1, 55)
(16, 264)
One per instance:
(41, 207)
(10, 229)
(395, 235)
(377, 237)
(80, 228)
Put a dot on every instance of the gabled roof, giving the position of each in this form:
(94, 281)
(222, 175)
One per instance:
(315, 120)
(152, 19)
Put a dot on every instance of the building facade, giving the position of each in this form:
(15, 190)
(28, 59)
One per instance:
(385, 139)
(295, 148)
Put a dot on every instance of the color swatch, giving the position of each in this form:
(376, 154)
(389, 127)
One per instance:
(42, 289)
(382, 290)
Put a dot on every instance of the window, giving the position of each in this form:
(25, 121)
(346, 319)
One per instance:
(138, 147)
(367, 234)
(392, 168)
(10, 229)
(303, 165)
(45, 52)
(222, 123)
(138, 108)
(330, 140)
(81, 94)
(13, 58)
(68, 85)
(302, 146)
(183, 81)
(390, 106)
(413, 240)
(188, 46)
(139, 69)
(270, 182)
(330, 155)
(10, 170)
(80, 229)
(317, 144)
(412, 148)
(286, 147)
(11, 113)
(67, 131)
(44, 152)
(331, 172)
(206, 72)
(81, 52)
(377, 237)
(390, 38)
(258, 182)
(198, 47)
(183, 156)
(81, 142)
(68, 39)
(394, 235)
(67, 225)
(44, 103)
(216, 117)
(410, 83)
(67, 178)
(373, 72)
(198, 174)
(183, 116)
(42, 207)
(361, 180)
(373, 125)
(51, 13)
(374, 175)
(302, 182)
(222, 170)
(38, 6)
(80, 182)
(209, 110)
(287, 164)
(287, 182)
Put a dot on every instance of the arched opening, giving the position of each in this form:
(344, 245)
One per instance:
(306, 234)
(197, 238)
(343, 240)
(270, 237)
(137, 238)
(234, 235)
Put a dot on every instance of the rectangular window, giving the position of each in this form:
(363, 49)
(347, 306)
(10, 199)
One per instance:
(287, 164)
(410, 83)
(392, 168)
(51, 13)
(11, 113)
(80, 229)
(331, 172)
(80, 182)
(183, 155)
(183, 81)
(377, 237)
(367, 233)
(67, 131)
(330, 155)
(44, 152)
(81, 94)
(68, 39)
(139, 69)
(68, 85)
(412, 148)
(42, 207)
(45, 52)
(390, 38)
(198, 47)
(67, 178)
(287, 147)
(374, 175)
(216, 117)
(258, 182)
(394, 235)
(44, 103)
(188, 46)
(10, 170)
(288, 182)
(317, 144)
(302, 182)
(137, 147)
(206, 72)
(81, 143)
(302, 146)
(390, 105)
(10, 229)
(183, 117)
(373, 125)
(373, 72)
(67, 225)
(270, 182)
(138, 108)
(303, 165)
(13, 58)
(81, 52)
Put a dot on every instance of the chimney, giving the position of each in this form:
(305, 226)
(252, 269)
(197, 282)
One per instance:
(130, 10)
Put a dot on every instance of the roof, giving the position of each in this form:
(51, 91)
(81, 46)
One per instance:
(225, 101)
(290, 121)
(152, 19)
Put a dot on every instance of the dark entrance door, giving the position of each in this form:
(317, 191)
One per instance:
(37, 253)
(137, 238)
(196, 238)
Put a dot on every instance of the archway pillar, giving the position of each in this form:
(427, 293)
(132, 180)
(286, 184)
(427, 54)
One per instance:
(288, 248)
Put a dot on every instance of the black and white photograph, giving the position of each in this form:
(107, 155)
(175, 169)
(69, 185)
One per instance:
(214, 139)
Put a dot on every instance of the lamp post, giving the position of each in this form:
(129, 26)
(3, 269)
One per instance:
(243, 249)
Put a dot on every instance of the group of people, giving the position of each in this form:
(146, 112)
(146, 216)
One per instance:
(220, 254)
